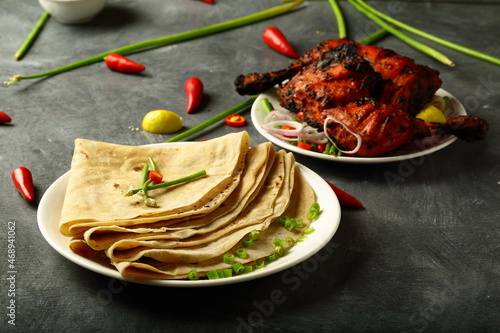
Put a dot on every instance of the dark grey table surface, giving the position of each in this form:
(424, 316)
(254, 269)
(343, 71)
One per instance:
(422, 256)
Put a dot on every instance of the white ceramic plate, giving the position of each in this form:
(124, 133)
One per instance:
(49, 212)
(455, 109)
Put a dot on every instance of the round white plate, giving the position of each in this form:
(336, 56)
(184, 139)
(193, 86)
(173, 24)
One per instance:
(455, 108)
(49, 213)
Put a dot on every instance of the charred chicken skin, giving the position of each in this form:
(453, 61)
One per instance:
(345, 87)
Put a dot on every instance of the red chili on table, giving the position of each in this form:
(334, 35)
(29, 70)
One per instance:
(119, 63)
(4, 118)
(194, 93)
(276, 40)
(235, 120)
(208, 1)
(23, 181)
(155, 176)
(345, 199)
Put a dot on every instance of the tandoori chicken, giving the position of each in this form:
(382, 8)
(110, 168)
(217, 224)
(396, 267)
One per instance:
(364, 97)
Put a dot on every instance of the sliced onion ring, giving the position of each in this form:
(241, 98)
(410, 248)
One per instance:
(340, 122)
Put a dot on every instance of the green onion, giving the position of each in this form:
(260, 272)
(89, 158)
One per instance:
(152, 163)
(290, 224)
(32, 36)
(172, 182)
(247, 242)
(240, 253)
(213, 120)
(228, 258)
(309, 231)
(282, 220)
(238, 268)
(254, 234)
(279, 250)
(247, 269)
(374, 37)
(278, 242)
(224, 273)
(301, 239)
(288, 243)
(193, 275)
(266, 105)
(260, 264)
(312, 216)
(299, 222)
(438, 40)
(212, 275)
(315, 207)
(405, 38)
(340, 19)
(172, 39)
(271, 258)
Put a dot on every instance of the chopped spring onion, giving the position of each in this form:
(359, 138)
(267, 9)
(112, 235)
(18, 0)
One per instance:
(228, 258)
(212, 275)
(278, 242)
(279, 250)
(193, 275)
(271, 257)
(247, 269)
(260, 264)
(254, 234)
(247, 242)
(238, 268)
(301, 239)
(309, 231)
(240, 253)
(282, 219)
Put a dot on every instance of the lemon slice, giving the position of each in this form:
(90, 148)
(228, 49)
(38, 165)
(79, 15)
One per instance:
(431, 114)
(162, 122)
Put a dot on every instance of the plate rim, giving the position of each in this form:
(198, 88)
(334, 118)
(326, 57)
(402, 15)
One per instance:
(256, 121)
(53, 199)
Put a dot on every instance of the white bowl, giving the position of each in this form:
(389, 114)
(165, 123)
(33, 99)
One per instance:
(73, 11)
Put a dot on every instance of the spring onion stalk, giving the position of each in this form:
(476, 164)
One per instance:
(255, 234)
(247, 269)
(168, 40)
(405, 38)
(213, 120)
(31, 36)
(374, 37)
(169, 183)
(238, 268)
(438, 40)
(340, 18)
(266, 105)
(309, 231)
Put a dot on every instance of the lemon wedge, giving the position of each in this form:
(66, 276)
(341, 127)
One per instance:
(162, 122)
(431, 114)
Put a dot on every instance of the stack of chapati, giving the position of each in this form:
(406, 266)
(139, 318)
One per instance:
(196, 222)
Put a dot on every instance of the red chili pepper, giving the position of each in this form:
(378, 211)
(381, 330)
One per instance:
(194, 92)
(119, 63)
(23, 181)
(208, 1)
(275, 39)
(4, 118)
(345, 199)
(155, 176)
(304, 145)
(235, 120)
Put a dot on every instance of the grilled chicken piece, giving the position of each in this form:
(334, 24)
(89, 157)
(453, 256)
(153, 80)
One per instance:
(375, 92)
(382, 128)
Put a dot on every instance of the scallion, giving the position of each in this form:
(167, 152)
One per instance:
(438, 40)
(228, 258)
(405, 38)
(301, 239)
(235, 109)
(247, 242)
(279, 250)
(271, 257)
(32, 36)
(172, 39)
(309, 231)
(260, 264)
(193, 275)
(172, 182)
(254, 234)
(266, 105)
(240, 253)
(340, 19)
(212, 275)
(238, 268)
